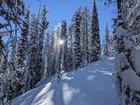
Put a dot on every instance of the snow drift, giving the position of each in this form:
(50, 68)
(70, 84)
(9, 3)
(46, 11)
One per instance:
(91, 85)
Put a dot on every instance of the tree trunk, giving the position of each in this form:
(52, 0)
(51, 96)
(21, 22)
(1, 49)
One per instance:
(119, 5)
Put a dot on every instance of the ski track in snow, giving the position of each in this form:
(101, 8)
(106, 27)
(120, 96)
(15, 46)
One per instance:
(91, 85)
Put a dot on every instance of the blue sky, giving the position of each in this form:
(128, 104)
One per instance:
(64, 9)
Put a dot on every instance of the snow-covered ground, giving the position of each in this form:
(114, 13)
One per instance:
(91, 85)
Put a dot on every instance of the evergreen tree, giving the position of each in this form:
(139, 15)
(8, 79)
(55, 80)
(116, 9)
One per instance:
(13, 71)
(95, 37)
(23, 42)
(40, 60)
(58, 62)
(54, 66)
(32, 55)
(70, 49)
(77, 48)
(106, 46)
(71, 38)
(128, 54)
(112, 44)
(47, 51)
(22, 50)
(50, 66)
(85, 22)
(65, 45)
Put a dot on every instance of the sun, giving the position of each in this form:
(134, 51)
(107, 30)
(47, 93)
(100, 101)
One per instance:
(61, 42)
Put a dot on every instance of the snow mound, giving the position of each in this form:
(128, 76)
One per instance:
(91, 85)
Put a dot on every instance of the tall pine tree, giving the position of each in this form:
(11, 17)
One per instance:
(65, 45)
(70, 48)
(95, 37)
(85, 22)
(128, 57)
(32, 55)
(106, 41)
(23, 42)
(47, 51)
(22, 48)
(40, 61)
(77, 47)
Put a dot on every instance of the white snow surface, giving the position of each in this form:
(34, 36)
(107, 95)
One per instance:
(91, 85)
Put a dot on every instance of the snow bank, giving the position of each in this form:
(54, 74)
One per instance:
(91, 85)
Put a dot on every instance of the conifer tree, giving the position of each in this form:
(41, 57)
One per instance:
(40, 60)
(70, 49)
(22, 48)
(71, 38)
(23, 42)
(32, 55)
(95, 37)
(47, 51)
(55, 50)
(77, 47)
(65, 45)
(85, 22)
(128, 54)
(106, 48)
(50, 66)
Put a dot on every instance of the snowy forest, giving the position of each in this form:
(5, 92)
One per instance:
(69, 64)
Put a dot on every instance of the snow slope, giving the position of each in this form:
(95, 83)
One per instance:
(91, 85)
